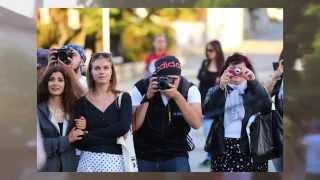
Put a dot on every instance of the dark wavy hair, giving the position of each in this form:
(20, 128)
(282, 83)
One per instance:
(235, 59)
(113, 80)
(72, 90)
(216, 45)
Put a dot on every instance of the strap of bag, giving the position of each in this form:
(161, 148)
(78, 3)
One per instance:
(130, 161)
(119, 100)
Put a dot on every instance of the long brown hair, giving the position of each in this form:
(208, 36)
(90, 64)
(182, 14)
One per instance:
(72, 90)
(113, 80)
(216, 45)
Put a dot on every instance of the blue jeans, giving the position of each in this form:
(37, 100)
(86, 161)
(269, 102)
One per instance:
(178, 164)
(206, 124)
(278, 164)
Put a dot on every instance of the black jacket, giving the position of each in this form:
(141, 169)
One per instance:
(275, 92)
(256, 99)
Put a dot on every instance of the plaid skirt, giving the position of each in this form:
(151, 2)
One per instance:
(232, 160)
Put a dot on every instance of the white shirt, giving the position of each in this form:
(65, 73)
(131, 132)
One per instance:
(83, 83)
(194, 96)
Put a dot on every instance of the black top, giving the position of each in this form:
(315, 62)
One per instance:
(60, 127)
(207, 79)
(104, 127)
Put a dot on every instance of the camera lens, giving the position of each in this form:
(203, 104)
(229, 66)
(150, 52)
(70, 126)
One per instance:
(163, 83)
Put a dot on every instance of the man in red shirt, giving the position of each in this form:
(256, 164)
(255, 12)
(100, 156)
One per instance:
(160, 50)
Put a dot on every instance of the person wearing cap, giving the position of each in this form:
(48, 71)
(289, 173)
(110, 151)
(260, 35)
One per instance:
(42, 62)
(163, 117)
(78, 58)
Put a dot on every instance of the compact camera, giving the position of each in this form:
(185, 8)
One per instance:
(235, 71)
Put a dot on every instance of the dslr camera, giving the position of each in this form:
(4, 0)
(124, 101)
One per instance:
(235, 71)
(63, 55)
(163, 82)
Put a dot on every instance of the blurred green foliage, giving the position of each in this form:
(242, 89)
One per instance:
(136, 3)
(58, 33)
(132, 32)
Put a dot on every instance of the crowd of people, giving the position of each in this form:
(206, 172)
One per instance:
(81, 118)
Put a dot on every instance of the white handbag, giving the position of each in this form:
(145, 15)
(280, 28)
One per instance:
(127, 145)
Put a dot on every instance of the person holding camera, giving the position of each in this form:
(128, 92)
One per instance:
(167, 106)
(73, 56)
(105, 120)
(208, 75)
(275, 89)
(57, 95)
(42, 62)
(231, 103)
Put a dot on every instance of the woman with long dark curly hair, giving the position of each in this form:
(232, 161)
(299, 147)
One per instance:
(57, 95)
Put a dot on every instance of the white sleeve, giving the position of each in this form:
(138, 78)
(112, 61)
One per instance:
(136, 97)
(194, 95)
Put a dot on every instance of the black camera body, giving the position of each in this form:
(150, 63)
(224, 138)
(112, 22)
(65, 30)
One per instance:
(63, 54)
(275, 65)
(163, 82)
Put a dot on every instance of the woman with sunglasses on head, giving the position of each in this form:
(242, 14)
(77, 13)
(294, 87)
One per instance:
(207, 76)
(57, 95)
(231, 103)
(104, 119)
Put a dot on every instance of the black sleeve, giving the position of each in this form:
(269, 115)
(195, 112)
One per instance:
(122, 126)
(261, 100)
(212, 103)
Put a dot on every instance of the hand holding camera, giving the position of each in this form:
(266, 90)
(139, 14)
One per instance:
(248, 74)
(160, 83)
(152, 88)
(171, 92)
(225, 78)
(278, 71)
(63, 55)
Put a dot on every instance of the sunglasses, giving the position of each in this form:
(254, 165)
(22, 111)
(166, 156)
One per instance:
(210, 50)
(101, 55)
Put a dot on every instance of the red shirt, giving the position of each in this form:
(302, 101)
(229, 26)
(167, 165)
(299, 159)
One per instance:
(153, 57)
